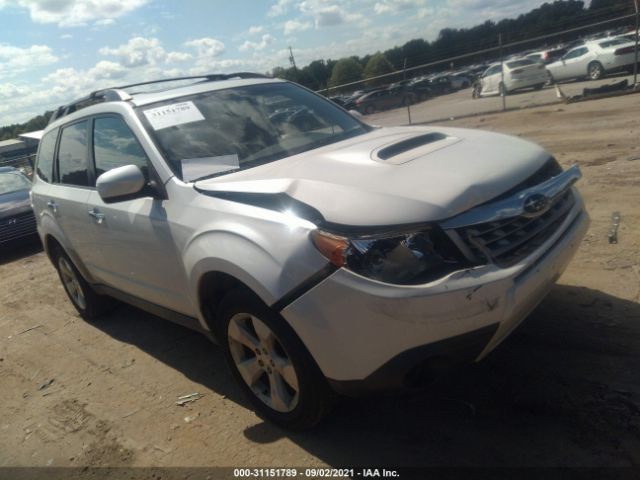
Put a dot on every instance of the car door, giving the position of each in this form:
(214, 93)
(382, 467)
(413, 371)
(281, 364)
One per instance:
(574, 64)
(66, 198)
(491, 79)
(135, 251)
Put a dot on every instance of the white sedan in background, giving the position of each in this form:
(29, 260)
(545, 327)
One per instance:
(518, 73)
(594, 59)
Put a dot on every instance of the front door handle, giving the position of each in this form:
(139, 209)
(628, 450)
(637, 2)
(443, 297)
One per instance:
(53, 206)
(99, 217)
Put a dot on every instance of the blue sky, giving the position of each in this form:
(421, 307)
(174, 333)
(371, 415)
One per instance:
(52, 51)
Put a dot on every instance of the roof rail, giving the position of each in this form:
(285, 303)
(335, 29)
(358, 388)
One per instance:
(205, 78)
(99, 96)
(118, 94)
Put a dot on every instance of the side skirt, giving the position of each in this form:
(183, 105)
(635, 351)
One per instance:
(162, 312)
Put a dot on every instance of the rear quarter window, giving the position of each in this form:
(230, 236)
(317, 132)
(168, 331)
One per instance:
(46, 152)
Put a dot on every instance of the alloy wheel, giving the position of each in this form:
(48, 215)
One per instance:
(262, 362)
(71, 283)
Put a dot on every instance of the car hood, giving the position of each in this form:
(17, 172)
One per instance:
(14, 203)
(390, 176)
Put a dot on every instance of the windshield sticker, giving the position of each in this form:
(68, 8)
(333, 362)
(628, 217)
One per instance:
(172, 115)
(194, 168)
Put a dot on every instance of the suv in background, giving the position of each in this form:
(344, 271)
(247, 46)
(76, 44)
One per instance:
(324, 255)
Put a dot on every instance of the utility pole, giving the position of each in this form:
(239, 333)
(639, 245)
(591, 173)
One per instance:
(635, 64)
(292, 60)
(504, 88)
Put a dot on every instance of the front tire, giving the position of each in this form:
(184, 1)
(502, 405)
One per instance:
(270, 363)
(86, 301)
(595, 71)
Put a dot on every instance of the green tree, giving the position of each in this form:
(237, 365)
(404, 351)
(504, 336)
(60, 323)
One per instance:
(377, 65)
(345, 71)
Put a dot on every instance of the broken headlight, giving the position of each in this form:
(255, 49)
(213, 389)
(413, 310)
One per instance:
(404, 259)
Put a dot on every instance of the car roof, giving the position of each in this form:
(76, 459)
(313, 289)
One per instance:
(104, 97)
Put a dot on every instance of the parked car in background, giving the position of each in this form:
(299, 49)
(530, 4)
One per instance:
(384, 99)
(593, 60)
(16, 216)
(422, 88)
(459, 81)
(546, 56)
(520, 73)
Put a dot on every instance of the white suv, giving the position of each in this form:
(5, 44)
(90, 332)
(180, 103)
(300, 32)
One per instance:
(324, 255)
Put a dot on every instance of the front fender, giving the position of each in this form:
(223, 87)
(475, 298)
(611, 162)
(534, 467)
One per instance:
(271, 261)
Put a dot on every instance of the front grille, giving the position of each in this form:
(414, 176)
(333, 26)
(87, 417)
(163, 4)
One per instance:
(550, 169)
(22, 225)
(506, 242)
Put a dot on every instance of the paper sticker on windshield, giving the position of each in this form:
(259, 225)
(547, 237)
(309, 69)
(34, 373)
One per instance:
(195, 168)
(172, 115)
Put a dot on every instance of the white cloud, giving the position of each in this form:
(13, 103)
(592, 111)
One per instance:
(10, 90)
(66, 36)
(178, 57)
(206, 48)
(138, 51)
(279, 8)
(104, 22)
(395, 6)
(291, 26)
(255, 30)
(14, 60)
(326, 14)
(264, 43)
(68, 13)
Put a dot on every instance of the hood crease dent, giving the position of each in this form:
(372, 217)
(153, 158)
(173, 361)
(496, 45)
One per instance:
(347, 184)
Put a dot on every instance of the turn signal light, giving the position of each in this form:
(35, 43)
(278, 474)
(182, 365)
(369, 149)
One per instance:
(330, 246)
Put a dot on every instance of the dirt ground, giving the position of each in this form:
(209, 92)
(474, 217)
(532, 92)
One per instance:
(564, 389)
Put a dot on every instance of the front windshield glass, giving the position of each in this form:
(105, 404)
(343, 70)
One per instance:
(225, 131)
(13, 182)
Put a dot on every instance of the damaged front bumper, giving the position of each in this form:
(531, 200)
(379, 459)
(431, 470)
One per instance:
(367, 335)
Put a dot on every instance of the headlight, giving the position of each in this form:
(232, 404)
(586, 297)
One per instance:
(406, 259)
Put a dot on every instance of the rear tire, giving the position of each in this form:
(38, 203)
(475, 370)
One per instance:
(270, 363)
(539, 86)
(369, 110)
(595, 71)
(86, 301)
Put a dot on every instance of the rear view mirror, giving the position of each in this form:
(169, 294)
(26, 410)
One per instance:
(120, 183)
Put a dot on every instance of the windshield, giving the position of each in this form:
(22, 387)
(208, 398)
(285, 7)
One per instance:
(225, 131)
(13, 182)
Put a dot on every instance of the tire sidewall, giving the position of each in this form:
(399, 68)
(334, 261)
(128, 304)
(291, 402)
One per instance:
(313, 390)
(95, 305)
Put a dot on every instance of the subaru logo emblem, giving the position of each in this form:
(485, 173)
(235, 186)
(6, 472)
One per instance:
(535, 205)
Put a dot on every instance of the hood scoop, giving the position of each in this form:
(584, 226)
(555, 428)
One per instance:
(412, 147)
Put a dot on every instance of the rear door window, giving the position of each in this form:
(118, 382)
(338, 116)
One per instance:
(73, 155)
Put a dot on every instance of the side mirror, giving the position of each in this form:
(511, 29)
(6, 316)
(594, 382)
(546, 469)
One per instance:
(356, 114)
(120, 183)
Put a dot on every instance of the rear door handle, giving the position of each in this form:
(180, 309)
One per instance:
(99, 217)
(53, 206)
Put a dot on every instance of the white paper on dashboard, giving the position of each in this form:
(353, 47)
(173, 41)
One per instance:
(193, 168)
(172, 115)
